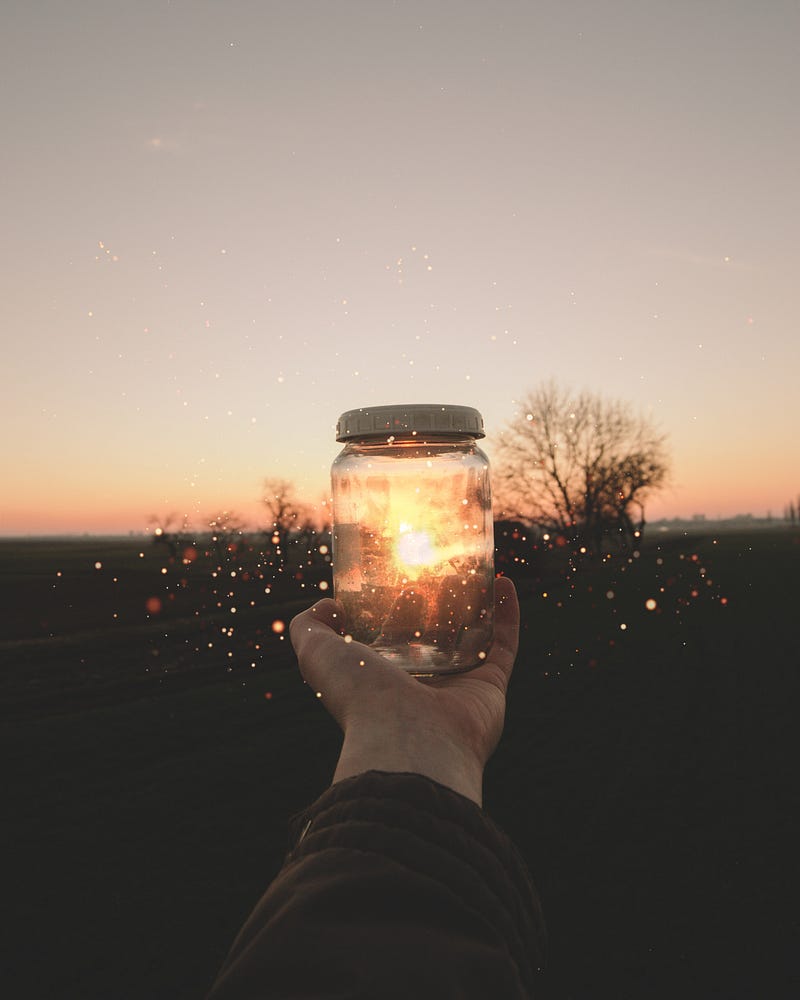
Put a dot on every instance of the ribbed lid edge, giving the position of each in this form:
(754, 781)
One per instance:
(419, 418)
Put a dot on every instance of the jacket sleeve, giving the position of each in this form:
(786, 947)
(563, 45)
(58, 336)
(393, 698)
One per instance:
(396, 887)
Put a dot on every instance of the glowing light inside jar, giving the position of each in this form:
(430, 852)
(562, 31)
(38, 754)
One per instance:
(423, 543)
(414, 548)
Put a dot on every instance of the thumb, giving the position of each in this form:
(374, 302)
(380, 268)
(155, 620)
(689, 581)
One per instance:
(330, 662)
(316, 636)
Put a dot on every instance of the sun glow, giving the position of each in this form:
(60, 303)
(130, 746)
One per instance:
(425, 537)
(414, 548)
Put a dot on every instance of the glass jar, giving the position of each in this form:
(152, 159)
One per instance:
(413, 543)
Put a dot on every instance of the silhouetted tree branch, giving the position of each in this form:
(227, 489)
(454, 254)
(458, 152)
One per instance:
(582, 465)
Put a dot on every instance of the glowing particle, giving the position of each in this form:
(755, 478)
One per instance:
(278, 626)
(610, 595)
(98, 565)
(319, 694)
(153, 605)
(623, 627)
(348, 638)
(650, 604)
(481, 655)
(268, 695)
(323, 585)
(164, 570)
(361, 663)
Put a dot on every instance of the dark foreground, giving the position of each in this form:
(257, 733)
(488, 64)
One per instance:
(647, 774)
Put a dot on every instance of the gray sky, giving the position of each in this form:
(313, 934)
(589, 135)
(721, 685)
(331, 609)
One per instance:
(225, 223)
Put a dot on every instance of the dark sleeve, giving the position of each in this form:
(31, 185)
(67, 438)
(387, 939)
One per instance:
(396, 887)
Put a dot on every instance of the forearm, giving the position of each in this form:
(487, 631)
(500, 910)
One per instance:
(396, 887)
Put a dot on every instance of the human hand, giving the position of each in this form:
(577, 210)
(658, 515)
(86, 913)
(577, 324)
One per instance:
(443, 727)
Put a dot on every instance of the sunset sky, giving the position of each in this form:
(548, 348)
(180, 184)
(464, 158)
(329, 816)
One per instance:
(226, 222)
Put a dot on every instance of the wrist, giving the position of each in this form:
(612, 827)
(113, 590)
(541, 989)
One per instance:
(411, 750)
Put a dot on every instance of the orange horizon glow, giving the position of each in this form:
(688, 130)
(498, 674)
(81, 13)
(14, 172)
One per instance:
(126, 518)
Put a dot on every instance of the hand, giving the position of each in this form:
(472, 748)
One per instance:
(443, 727)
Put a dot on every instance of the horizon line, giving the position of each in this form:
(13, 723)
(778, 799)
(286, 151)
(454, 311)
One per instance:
(694, 520)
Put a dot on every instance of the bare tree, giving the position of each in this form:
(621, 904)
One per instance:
(580, 464)
(169, 530)
(283, 514)
(227, 531)
(281, 505)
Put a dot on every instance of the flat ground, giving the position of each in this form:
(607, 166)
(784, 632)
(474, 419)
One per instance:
(155, 742)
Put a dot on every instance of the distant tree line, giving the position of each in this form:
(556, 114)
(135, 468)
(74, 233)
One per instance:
(570, 470)
(290, 552)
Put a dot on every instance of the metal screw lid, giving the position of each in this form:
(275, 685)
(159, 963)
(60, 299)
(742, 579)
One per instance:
(413, 418)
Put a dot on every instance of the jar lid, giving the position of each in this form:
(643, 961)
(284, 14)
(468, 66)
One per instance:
(414, 418)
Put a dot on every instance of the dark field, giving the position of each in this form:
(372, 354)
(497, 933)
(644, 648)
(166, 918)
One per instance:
(648, 775)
